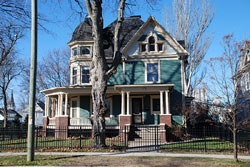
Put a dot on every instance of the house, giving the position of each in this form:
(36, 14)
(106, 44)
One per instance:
(244, 77)
(148, 87)
(11, 112)
(39, 113)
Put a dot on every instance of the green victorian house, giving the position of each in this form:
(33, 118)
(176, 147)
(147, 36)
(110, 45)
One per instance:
(148, 87)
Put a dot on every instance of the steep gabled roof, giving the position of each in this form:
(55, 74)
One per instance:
(139, 33)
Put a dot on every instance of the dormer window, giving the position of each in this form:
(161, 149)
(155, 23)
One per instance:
(85, 50)
(151, 42)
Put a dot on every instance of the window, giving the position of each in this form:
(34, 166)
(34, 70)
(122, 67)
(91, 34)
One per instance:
(85, 74)
(74, 50)
(155, 104)
(74, 75)
(160, 47)
(143, 47)
(74, 108)
(151, 42)
(85, 50)
(152, 72)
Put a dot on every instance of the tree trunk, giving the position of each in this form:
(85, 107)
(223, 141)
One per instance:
(98, 77)
(235, 136)
(5, 110)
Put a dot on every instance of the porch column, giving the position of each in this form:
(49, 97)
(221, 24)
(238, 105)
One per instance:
(66, 105)
(167, 102)
(46, 106)
(128, 102)
(123, 103)
(161, 103)
(60, 102)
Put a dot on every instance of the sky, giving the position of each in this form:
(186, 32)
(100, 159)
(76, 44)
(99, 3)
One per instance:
(231, 16)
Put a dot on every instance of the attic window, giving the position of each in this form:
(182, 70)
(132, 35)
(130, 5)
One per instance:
(160, 47)
(151, 42)
(143, 47)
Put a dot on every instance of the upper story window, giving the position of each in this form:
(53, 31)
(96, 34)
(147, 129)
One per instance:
(151, 42)
(85, 74)
(74, 75)
(152, 72)
(74, 51)
(85, 50)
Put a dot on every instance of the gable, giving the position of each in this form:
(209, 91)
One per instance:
(151, 28)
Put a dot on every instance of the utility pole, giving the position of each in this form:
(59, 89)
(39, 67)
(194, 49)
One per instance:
(33, 69)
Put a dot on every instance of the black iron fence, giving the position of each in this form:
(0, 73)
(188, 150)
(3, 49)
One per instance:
(205, 138)
(128, 138)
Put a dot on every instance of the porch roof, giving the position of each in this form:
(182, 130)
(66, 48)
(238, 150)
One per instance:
(116, 89)
(144, 88)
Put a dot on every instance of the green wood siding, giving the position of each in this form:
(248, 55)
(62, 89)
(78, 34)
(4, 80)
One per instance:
(171, 74)
(84, 106)
(117, 78)
(135, 72)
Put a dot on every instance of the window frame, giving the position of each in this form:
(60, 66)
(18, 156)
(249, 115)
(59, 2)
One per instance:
(81, 67)
(158, 72)
(74, 76)
(86, 46)
(76, 108)
(73, 51)
(156, 45)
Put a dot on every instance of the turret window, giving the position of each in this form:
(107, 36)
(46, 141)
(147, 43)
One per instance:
(74, 51)
(74, 75)
(85, 50)
(85, 74)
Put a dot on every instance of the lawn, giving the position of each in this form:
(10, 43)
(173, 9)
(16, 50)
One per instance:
(120, 161)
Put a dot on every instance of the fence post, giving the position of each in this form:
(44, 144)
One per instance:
(125, 137)
(80, 137)
(36, 137)
(204, 135)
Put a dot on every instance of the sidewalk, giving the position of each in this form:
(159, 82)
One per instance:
(156, 154)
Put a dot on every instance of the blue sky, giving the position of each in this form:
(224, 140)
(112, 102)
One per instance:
(231, 16)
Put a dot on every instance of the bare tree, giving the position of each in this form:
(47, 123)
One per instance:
(10, 66)
(226, 74)
(189, 20)
(53, 71)
(99, 70)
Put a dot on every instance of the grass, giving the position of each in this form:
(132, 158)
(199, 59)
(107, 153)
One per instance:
(120, 161)
(209, 144)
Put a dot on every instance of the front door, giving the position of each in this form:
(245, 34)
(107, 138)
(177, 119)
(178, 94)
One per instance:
(137, 110)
